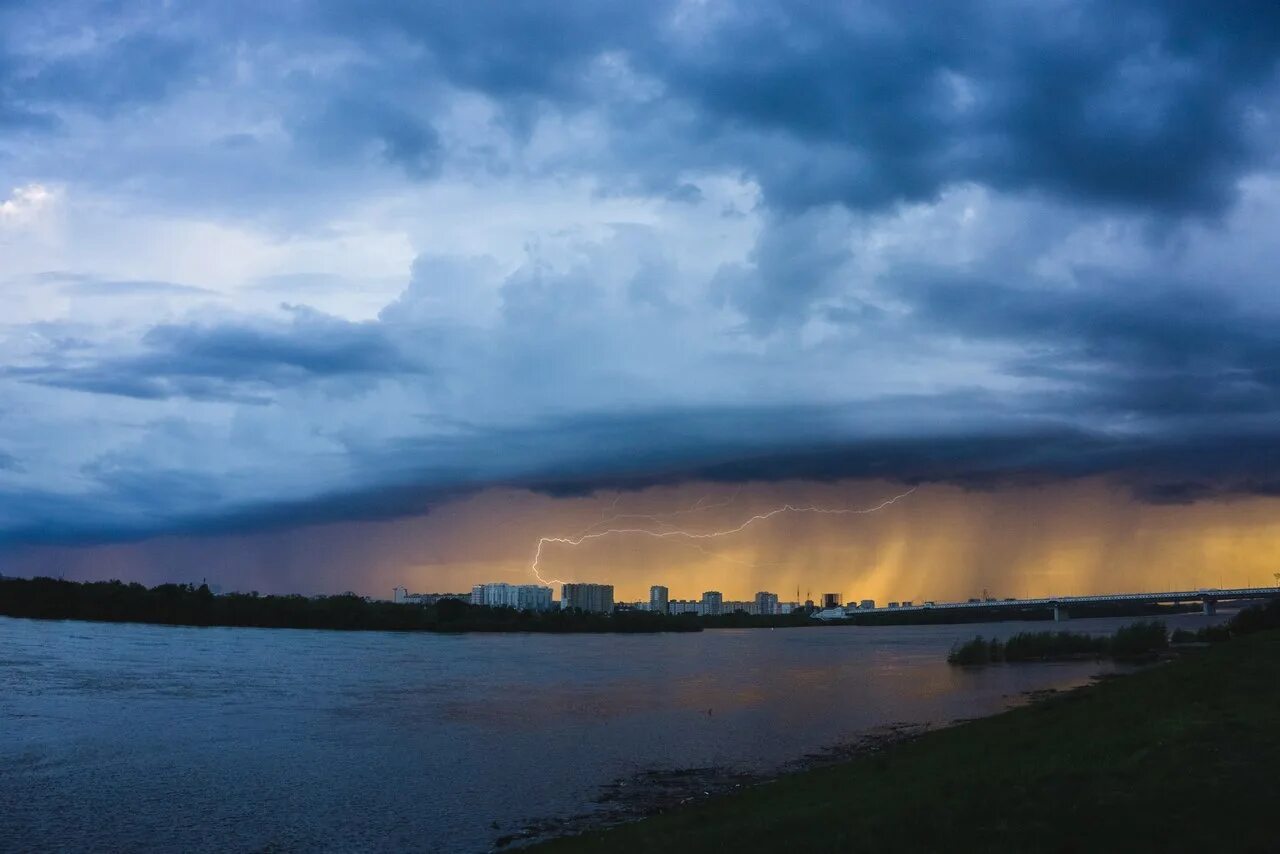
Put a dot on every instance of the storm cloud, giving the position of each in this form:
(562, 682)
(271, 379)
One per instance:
(272, 267)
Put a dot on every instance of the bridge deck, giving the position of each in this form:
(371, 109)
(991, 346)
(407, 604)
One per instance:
(1205, 594)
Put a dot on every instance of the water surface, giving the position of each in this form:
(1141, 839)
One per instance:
(161, 738)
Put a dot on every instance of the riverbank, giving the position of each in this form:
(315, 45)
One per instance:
(1182, 756)
(187, 605)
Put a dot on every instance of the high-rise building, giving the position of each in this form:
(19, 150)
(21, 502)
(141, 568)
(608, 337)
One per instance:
(522, 597)
(830, 600)
(712, 603)
(658, 599)
(587, 597)
(766, 603)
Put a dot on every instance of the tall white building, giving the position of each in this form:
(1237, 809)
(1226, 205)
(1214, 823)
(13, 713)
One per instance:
(522, 597)
(712, 603)
(766, 603)
(658, 599)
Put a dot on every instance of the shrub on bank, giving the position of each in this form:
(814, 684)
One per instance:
(1045, 646)
(1132, 641)
(976, 651)
(1205, 634)
(1139, 639)
(1259, 618)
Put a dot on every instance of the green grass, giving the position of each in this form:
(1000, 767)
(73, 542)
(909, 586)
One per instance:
(1181, 757)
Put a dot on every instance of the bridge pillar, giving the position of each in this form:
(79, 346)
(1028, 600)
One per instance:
(1210, 607)
(1060, 614)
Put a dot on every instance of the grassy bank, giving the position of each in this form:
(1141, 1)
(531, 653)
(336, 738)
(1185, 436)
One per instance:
(1181, 757)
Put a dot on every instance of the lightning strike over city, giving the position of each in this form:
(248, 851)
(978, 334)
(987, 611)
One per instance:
(686, 534)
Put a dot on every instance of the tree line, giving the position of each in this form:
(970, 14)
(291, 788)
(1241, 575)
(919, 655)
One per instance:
(189, 605)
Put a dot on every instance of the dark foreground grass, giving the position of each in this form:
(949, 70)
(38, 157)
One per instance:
(1182, 757)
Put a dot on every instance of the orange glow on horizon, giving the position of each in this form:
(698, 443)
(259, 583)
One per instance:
(940, 543)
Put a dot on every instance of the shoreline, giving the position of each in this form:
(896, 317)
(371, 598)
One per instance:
(656, 791)
(1090, 768)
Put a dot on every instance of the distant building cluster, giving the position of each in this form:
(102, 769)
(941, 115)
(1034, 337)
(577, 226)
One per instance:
(713, 604)
(596, 598)
(522, 597)
(402, 596)
(599, 598)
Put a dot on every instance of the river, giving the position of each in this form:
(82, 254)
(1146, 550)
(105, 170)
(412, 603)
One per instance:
(159, 738)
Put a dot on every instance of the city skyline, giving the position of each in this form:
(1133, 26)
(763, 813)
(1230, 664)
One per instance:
(943, 544)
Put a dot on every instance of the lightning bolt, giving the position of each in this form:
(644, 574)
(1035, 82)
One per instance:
(671, 531)
(660, 518)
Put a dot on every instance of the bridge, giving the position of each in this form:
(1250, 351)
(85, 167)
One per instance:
(1209, 597)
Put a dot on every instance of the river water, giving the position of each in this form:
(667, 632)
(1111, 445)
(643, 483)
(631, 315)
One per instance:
(157, 738)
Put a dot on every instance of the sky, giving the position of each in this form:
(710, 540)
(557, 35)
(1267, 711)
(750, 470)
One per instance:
(314, 296)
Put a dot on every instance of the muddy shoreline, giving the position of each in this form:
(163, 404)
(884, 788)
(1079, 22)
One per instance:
(655, 791)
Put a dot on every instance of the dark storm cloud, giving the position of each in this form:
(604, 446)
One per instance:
(795, 261)
(123, 73)
(344, 125)
(640, 451)
(233, 361)
(839, 112)
(1143, 105)
(1121, 347)
(570, 456)
(1140, 104)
